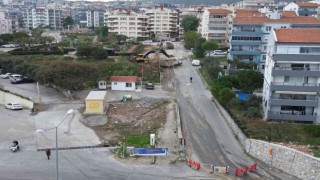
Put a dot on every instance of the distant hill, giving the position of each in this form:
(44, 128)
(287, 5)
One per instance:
(207, 2)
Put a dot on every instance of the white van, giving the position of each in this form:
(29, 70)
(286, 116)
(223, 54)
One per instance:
(195, 62)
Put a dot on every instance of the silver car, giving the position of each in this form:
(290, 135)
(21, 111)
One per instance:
(13, 106)
(5, 76)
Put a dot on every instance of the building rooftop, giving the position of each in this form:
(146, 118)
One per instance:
(298, 35)
(96, 95)
(124, 79)
(286, 19)
(289, 14)
(248, 13)
(307, 4)
(219, 11)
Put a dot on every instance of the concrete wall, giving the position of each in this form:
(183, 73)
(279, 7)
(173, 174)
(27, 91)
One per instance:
(286, 159)
(6, 97)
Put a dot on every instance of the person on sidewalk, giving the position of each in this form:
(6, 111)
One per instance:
(48, 153)
(190, 79)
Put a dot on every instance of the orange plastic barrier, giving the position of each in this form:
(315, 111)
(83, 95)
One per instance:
(194, 164)
(253, 167)
(240, 171)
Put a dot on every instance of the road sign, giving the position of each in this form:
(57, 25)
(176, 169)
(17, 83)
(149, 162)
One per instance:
(150, 151)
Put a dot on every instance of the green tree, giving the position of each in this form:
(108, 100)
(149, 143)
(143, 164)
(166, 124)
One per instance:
(190, 39)
(95, 52)
(209, 46)
(6, 38)
(250, 80)
(102, 32)
(68, 21)
(225, 96)
(212, 66)
(198, 51)
(190, 23)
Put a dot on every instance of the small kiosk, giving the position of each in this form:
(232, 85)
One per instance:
(95, 102)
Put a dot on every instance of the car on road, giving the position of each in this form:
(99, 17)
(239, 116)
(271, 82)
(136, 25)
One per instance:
(13, 106)
(195, 62)
(21, 80)
(5, 76)
(15, 76)
(149, 85)
(9, 46)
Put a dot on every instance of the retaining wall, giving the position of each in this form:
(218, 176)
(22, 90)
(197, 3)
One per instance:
(286, 159)
(7, 97)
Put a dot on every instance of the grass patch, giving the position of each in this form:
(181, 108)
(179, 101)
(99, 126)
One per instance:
(206, 76)
(138, 141)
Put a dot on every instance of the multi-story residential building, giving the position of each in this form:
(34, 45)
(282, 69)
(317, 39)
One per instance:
(292, 76)
(42, 16)
(251, 30)
(216, 26)
(254, 4)
(162, 22)
(128, 23)
(5, 24)
(303, 8)
(89, 18)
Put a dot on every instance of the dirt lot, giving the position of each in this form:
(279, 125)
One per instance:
(140, 117)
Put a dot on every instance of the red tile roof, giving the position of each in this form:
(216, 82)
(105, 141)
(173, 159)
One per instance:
(289, 14)
(124, 78)
(248, 13)
(298, 35)
(219, 11)
(261, 20)
(307, 4)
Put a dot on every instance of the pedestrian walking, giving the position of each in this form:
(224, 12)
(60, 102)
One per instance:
(48, 153)
(190, 79)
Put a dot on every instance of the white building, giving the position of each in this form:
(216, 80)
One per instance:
(128, 23)
(217, 26)
(292, 75)
(254, 4)
(162, 22)
(42, 16)
(123, 83)
(5, 24)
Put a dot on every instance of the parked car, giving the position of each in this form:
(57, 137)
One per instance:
(5, 76)
(15, 76)
(149, 85)
(195, 62)
(21, 80)
(9, 46)
(13, 106)
(219, 53)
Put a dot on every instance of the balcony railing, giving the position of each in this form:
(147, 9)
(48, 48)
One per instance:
(295, 84)
(296, 68)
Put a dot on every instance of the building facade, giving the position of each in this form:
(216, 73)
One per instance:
(254, 4)
(251, 30)
(89, 18)
(292, 76)
(217, 26)
(303, 8)
(5, 24)
(42, 16)
(128, 23)
(162, 22)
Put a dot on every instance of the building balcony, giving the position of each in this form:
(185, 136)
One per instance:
(245, 43)
(244, 52)
(247, 33)
(297, 87)
(292, 116)
(310, 102)
(296, 71)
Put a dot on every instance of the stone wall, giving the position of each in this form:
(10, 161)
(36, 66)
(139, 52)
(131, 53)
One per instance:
(286, 159)
(7, 97)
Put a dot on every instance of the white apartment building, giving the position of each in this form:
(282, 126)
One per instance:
(162, 22)
(34, 17)
(254, 4)
(5, 24)
(217, 26)
(292, 75)
(128, 23)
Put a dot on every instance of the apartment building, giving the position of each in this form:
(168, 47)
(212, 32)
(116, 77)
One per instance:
(89, 17)
(292, 76)
(162, 22)
(251, 30)
(217, 26)
(303, 8)
(254, 4)
(42, 16)
(183, 12)
(128, 23)
(5, 24)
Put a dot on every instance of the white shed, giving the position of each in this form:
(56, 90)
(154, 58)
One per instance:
(123, 83)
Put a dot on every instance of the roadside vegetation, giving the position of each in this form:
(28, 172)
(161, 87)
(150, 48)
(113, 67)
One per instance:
(248, 114)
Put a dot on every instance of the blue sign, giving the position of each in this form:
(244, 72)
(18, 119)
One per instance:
(150, 151)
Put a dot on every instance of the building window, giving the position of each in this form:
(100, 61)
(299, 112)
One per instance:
(262, 67)
(131, 19)
(114, 83)
(286, 79)
(268, 28)
(264, 57)
(128, 84)
(265, 48)
(132, 24)
(310, 50)
(123, 19)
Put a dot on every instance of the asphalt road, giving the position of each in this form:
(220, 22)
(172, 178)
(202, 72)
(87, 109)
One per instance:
(209, 140)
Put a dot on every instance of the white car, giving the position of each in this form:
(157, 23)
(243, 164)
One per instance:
(195, 62)
(5, 76)
(15, 76)
(13, 106)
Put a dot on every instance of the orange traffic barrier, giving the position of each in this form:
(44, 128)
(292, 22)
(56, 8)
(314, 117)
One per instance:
(240, 171)
(253, 167)
(194, 164)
